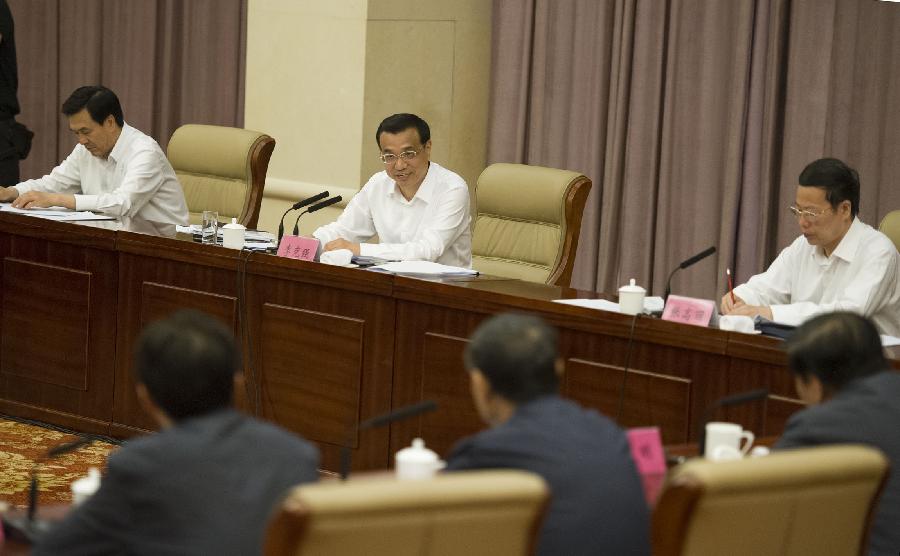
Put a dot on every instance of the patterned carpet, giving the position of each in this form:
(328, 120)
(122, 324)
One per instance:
(23, 444)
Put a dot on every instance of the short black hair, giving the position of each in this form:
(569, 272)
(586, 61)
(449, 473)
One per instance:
(402, 122)
(187, 362)
(99, 101)
(517, 354)
(840, 182)
(836, 348)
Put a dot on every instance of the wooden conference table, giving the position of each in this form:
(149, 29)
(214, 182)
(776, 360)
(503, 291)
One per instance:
(327, 347)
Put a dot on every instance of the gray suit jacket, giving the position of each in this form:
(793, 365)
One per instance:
(866, 411)
(205, 486)
(597, 504)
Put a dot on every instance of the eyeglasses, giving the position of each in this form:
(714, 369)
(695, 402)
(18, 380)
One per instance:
(389, 158)
(809, 215)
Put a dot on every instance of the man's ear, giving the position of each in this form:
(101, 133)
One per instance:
(559, 367)
(110, 122)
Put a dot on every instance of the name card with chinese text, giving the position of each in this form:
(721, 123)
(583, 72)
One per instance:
(688, 310)
(298, 247)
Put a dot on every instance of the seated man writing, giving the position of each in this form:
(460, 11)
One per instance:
(114, 169)
(597, 502)
(838, 264)
(209, 480)
(418, 209)
(839, 369)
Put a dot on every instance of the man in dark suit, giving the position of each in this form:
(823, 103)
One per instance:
(840, 369)
(597, 504)
(208, 482)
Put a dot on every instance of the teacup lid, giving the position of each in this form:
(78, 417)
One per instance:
(234, 225)
(632, 288)
(417, 453)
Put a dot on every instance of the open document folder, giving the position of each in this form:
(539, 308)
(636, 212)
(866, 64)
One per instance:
(424, 268)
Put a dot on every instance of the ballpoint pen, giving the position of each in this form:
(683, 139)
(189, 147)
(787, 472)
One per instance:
(730, 284)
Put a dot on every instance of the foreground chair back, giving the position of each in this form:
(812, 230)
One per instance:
(527, 222)
(221, 169)
(468, 513)
(798, 502)
(890, 226)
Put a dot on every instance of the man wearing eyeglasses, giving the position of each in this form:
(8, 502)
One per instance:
(838, 264)
(418, 209)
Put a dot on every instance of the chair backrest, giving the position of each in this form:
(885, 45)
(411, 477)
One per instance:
(467, 512)
(527, 222)
(890, 226)
(221, 169)
(797, 502)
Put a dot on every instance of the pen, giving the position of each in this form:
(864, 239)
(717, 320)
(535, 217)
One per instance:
(730, 284)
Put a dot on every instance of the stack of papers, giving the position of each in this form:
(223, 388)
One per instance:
(424, 268)
(651, 304)
(56, 213)
(253, 239)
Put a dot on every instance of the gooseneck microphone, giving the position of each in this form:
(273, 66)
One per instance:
(299, 205)
(404, 412)
(727, 401)
(28, 527)
(689, 262)
(314, 208)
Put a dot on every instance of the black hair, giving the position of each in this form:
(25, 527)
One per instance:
(99, 101)
(187, 362)
(402, 122)
(840, 182)
(517, 354)
(836, 348)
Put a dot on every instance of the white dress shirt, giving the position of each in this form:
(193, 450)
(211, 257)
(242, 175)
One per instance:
(861, 276)
(135, 179)
(433, 226)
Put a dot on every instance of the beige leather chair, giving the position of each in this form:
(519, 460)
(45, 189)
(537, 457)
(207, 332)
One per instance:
(798, 502)
(527, 222)
(221, 169)
(890, 226)
(467, 513)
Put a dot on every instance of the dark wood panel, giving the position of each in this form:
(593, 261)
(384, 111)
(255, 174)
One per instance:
(648, 399)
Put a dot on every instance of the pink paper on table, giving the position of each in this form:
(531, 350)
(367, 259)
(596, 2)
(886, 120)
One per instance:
(648, 456)
(298, 247)
(688, 310)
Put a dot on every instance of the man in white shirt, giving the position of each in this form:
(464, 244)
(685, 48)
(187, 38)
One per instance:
(115, 169)
(838, 264)
(418, 209)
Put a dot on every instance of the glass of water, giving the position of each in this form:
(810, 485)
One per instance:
(209, 226)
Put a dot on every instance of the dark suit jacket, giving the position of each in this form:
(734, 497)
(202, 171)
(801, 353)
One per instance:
(205, 486)
(866, 411)
(597, 504)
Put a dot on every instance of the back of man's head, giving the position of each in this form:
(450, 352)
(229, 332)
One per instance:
(187, 363)
(99, 101)
(840, 182)
(517, 355)
(836, 348)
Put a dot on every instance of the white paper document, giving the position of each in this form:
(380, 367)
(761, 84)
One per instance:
(56, 213)
(651, 304)
(889, 341)
(425, 268)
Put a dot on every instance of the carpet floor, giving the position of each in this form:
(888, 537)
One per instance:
(24, 445)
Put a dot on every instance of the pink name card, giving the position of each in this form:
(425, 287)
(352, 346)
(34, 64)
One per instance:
(298, 247)
(688, 310)
(647, 453)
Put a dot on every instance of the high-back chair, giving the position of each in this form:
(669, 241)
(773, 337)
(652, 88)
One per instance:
(796, 502)
(527, 222)
(468, 513)
(890, 226)
(221, 169)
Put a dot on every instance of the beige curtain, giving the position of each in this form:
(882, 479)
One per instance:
(694, 118)
(170, 62)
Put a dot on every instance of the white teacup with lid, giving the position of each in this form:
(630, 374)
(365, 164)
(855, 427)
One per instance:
(85, 487)
(233, 235)
(631, 299)
(417, 462)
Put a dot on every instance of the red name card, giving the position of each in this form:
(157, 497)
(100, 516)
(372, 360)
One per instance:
(688, 310)
(298, 247)
(647, 453)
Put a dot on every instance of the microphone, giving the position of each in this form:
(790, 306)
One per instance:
(727, 401)
(299, 205)
(28, 527)
(314, 208)
(689, 262)
(404, 412)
